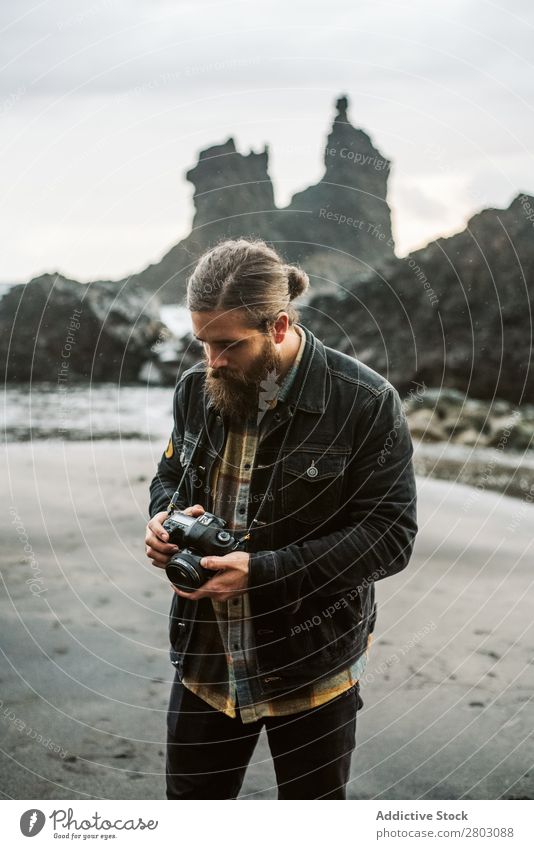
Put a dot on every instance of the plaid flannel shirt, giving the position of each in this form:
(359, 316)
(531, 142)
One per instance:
(221, 664)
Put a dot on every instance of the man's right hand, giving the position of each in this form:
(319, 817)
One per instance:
(158, 549)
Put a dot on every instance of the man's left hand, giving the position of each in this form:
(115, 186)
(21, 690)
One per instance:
(231, 581)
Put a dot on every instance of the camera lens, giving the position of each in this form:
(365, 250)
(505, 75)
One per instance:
(184, 572)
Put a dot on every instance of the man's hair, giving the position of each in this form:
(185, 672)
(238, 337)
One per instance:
(239, 274)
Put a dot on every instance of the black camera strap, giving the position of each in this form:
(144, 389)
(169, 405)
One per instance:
(204, 430)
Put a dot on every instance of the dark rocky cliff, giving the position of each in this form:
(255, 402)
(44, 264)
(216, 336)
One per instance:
(457, 313)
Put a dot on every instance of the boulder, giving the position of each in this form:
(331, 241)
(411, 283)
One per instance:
(56, 329)
(447, 415)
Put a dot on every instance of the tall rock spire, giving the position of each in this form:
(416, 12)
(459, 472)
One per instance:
(345, 216)
(351, 158)
(341, 106)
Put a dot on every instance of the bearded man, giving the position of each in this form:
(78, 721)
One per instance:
(306, 454)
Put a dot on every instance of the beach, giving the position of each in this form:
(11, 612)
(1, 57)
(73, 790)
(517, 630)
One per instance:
(85, 674)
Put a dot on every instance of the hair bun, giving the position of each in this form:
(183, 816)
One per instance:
(297, 281)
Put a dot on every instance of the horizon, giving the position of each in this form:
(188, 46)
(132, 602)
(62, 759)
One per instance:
(454, 232)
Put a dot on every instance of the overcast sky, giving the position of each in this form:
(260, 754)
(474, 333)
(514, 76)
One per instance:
(105, 105)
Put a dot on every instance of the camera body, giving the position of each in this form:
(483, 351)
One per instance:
(196, 537)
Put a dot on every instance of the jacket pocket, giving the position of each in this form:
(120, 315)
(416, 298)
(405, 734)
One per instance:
(312, 484)
(194, 481)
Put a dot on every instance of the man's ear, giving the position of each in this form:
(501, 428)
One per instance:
(280, 327)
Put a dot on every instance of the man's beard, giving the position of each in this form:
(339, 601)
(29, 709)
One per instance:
(235, 392)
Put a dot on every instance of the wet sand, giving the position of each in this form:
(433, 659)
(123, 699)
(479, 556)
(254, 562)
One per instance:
(85, 675)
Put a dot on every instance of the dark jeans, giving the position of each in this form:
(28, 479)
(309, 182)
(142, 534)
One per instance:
(208, 752)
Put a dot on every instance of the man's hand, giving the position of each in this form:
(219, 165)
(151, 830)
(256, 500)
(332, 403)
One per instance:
(158, 549)
(231, 581)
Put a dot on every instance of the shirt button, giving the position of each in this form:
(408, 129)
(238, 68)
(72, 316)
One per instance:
(235, 647)
(241, 510)
(247, 466)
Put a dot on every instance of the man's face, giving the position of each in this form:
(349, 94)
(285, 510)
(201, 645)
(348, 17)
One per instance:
(238, 358)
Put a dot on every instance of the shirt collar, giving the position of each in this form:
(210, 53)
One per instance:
(285, 386)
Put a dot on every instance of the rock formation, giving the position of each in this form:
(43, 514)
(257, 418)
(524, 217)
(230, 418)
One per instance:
(233, 198)
(344, 220)
(55, 329)
(333, 228)
(446, 415)
(457, 313)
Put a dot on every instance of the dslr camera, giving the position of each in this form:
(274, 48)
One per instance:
(197, 537)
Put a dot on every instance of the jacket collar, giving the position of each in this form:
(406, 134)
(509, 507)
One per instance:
(308, 390)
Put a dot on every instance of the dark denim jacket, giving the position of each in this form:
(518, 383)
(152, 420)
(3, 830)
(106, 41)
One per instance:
(341, 514)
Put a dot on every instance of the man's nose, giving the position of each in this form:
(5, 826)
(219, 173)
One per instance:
(217, 358)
